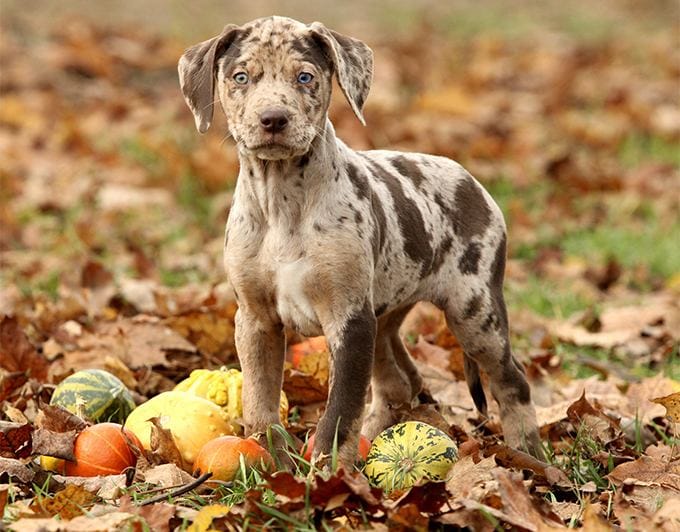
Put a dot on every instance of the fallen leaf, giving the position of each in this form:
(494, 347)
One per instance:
(16, 470)
(593, 521)
(524, 510)
(166, 475)
(56, 444)
(68, 503)
(470, 480)
(649, 469)
(303, 389)
(17, 353)
(56, 418)
(15, 440)
(205, 516)
(672, 405)
(11, 382)
(156, 516)
(163, 446)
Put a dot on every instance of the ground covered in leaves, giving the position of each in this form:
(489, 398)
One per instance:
(112, 216)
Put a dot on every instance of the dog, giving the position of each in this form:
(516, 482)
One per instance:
(327, 240)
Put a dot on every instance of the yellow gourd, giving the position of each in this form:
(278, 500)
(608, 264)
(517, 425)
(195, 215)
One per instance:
(192, 420)
(224, 387)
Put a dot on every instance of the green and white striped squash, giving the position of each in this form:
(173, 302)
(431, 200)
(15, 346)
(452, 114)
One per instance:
(95, 395)
(405, 453)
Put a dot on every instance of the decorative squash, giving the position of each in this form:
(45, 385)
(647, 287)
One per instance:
(362, 449)
(192, 420)
(224, 387)
(102, 449)
(222, 457)
(408, 452)
(95, 395)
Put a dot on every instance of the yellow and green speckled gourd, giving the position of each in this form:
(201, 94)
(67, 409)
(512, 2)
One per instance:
(408, 452)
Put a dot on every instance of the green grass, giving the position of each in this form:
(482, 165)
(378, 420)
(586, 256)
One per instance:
(544, 297)
(193, 197)
(652, 244)
(638, 148)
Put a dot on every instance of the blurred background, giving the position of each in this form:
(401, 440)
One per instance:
(113, 205)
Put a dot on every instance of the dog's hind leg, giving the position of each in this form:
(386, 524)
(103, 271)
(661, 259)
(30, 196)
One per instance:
(482, 329)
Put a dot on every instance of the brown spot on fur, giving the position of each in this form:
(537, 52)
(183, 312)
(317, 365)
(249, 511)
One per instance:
(408, 168)
(473, 307)
(471, 215)
(440, 254)
(359, 181)
(379, 225)
(469, 261)
(411, 224)
(496, 285)
(312, 53)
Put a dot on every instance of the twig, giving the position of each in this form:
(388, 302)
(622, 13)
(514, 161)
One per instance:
(179, 491)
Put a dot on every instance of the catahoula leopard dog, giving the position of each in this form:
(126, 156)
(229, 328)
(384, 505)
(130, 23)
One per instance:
(327, 240)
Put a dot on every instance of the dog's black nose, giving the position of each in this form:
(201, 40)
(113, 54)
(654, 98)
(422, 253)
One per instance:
(274, 120)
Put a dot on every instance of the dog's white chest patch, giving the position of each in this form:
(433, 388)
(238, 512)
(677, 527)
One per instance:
(292, 303)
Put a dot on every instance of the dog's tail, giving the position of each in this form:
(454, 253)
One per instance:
(474, 383)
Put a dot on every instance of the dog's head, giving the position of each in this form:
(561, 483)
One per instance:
(273, 78)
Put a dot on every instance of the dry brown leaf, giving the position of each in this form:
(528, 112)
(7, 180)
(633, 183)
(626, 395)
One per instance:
(521, 507)
(142, 341)
(166, 475)
(470, 480)
(15, 439)
(649, 469)
(56, 444)
(163, 446)
(68, 503)
(672, 405)
(16, 470)
(156, 516)
(303, 389)
(17, 353)
(593, 521)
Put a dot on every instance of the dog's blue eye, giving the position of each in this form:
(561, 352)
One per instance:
(241, 78)
(304, 77)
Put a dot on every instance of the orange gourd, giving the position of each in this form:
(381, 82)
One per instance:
(221, 457)
(103, 449)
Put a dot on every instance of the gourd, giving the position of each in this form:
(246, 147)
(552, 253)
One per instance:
(224, 387)
(222, 457)
(95, 395)
(102, 449)
(405, 453)
(192, 421)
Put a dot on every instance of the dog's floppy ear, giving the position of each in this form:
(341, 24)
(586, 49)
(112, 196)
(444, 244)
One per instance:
(353, 63)
(197, 74)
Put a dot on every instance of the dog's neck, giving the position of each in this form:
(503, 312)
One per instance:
(277, 191)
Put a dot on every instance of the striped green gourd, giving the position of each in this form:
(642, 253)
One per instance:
(405, 453)
(94, 394)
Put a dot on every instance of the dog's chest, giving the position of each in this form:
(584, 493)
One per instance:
(292, 296)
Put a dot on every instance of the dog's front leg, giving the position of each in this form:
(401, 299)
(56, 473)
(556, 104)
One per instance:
(261, 349)
(352, 344)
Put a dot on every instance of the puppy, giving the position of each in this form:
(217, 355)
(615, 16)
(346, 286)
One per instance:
(327, 240)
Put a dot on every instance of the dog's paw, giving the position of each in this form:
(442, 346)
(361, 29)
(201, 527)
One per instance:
(281, 445)
(377, 421)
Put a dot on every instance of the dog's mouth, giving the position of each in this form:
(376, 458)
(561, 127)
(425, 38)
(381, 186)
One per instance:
(274, 150)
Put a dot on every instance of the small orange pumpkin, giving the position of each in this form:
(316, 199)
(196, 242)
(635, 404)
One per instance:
(362, 451)
(103, 449)
(221, 457)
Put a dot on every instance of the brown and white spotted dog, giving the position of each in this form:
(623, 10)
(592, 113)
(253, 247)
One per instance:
(327, 240)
